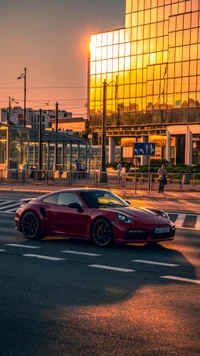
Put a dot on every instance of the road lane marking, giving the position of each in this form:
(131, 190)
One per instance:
(156, 263)
(112, 268)
(180, 220)
(13, 210)
(81, 253)
(6, 202)
(188, 280)
(1, 250)
(10, 206)
(17, 245)
(44, 257)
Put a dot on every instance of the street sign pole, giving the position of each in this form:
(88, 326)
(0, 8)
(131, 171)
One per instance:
(144, 149)
(149, 179)
(135, 173)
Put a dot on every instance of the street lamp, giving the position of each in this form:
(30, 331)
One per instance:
(89, 139)
(10, 101)
(23, 75)
(103, 173)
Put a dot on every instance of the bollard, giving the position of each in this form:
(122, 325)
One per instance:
(95, 179)
(23, 177)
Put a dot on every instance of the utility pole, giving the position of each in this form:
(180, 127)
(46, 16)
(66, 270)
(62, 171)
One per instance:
(103, 173)
(40, 142)
(25, 97)
(56, 146)
(23, 75)
(8, 114)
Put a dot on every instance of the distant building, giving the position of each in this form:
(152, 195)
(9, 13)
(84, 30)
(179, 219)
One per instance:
(75, 125)
(32, 116)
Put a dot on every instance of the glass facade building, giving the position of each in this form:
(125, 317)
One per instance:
(151, 67)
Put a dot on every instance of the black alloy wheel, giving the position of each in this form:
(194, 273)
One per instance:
(30, 226)
(102, 233)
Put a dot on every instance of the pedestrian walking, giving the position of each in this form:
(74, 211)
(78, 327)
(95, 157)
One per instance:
(119, 170)
(162, 178)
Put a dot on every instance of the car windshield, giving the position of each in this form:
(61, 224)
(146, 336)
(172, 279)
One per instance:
(99, 199)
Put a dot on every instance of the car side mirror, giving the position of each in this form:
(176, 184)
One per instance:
(128, 202)
(75, 206)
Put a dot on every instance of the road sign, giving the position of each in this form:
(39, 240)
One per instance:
(144, 148)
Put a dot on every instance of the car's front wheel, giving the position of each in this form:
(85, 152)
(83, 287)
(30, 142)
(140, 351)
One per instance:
(30, 226)
(102, 233)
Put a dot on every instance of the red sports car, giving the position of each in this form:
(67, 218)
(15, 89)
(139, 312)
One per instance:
(91, 214)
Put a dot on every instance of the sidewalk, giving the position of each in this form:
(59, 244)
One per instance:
(170, 194)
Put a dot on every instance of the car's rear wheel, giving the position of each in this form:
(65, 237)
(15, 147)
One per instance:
(30, 226)
(102, 233)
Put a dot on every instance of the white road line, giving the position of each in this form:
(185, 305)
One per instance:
(180, 220)
(13, 210)
(156, 263)
(197, 225)
(6, 202)
(1, 250)
(81, 253)
(24, 246)
(7, 212)
(45, 257)
(182, 279)
(10, 206)
(112, 268)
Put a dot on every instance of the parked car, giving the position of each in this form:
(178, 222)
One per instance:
(91, 214)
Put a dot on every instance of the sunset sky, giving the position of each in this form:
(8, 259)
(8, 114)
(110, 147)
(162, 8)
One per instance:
(50, 38)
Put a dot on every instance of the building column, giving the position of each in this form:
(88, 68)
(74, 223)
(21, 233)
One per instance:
(63, 157)
(188, 147)
(111, 150)
(144, 158)
(168, 146)
(70, 156)
(48, 156)
(86, 153)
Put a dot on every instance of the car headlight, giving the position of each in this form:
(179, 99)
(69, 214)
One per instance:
(124, 218)
(165, 215)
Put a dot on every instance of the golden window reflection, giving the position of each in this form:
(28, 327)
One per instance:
(157, 52)
(194, 35)
(132, 90)
(134, 5)
(128, 6)
(134, 19)
(185, 67)
(121, 63)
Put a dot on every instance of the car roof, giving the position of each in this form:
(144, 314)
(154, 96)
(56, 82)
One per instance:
(74, 190)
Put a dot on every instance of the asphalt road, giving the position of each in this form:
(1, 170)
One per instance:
(65, 297)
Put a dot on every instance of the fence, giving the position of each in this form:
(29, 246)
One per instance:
(135, 181)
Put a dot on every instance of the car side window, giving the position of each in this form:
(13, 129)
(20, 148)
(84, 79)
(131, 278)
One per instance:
(52, 199)
(67, 198)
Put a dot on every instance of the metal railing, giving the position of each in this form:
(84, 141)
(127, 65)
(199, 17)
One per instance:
(135, 181)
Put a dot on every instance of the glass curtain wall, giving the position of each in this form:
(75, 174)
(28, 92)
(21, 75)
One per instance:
(152, 66)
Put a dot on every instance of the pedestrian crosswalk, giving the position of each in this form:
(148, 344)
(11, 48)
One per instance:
(181, 220)
(9, 206)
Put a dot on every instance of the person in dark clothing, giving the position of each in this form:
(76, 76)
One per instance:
(162, 178)
(77, 174)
